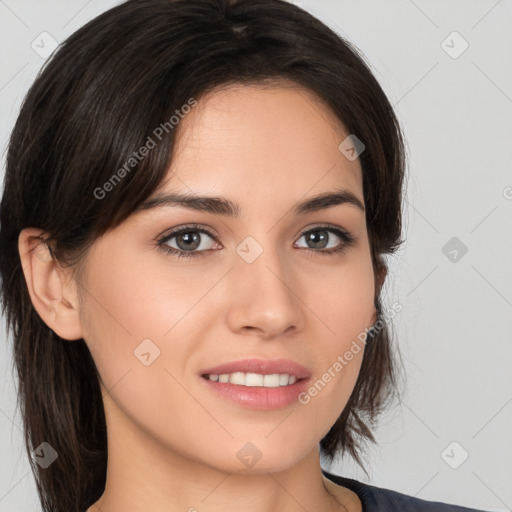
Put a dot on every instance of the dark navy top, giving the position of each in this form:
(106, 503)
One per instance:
(376, 499)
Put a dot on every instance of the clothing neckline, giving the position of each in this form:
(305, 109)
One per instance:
(353, 485)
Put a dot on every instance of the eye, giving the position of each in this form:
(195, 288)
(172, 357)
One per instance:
(189, 241)
(320, 236)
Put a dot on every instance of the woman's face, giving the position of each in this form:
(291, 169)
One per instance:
(260, 285)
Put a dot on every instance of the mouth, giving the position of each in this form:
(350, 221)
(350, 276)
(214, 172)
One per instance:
(258, 383)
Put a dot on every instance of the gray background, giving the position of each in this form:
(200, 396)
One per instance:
(455, 327)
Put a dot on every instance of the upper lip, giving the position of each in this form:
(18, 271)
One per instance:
(261, 366)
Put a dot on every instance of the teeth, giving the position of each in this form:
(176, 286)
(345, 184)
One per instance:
(255, 379)
(283, 380)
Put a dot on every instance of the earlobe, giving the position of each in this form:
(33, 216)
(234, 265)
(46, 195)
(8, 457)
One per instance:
(51, 288)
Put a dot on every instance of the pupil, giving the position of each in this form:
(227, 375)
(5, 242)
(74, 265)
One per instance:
(187, 238)
(320, 237)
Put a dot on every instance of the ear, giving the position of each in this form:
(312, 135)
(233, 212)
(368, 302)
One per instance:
(380, 276)
(52, 289)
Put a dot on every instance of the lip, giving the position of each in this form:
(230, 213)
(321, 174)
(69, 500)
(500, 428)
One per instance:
(258, 397)
(261, 366)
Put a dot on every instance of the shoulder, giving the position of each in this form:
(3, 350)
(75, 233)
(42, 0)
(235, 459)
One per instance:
(375, 499)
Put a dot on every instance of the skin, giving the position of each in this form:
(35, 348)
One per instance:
(172, 443)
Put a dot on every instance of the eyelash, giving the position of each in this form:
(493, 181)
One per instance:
(347, 241)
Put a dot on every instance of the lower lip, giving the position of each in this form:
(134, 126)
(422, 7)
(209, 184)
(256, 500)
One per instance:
(259, 397)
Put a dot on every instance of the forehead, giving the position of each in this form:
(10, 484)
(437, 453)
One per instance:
(266, 141)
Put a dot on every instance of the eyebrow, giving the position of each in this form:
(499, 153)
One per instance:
(223, 206)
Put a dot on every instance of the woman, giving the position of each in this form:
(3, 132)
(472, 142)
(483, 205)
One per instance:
(198, 199)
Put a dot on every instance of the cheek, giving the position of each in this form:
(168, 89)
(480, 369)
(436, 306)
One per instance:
(123, 307)
(132, 320)
(342, 298)
(343, 302)
(141, 324)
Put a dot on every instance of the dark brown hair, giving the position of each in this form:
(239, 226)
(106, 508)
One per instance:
(95, 102)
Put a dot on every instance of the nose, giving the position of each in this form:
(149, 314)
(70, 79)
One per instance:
(266, 297)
